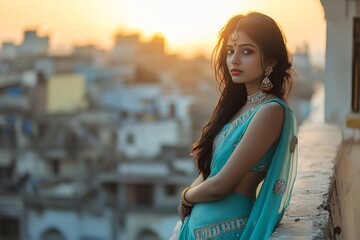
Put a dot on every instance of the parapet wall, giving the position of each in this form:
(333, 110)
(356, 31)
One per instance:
(314, 208)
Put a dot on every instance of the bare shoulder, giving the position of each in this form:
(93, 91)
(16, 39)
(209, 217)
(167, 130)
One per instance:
(274, 107)
(271, 112)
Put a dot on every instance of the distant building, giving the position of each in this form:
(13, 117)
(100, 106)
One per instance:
(301, 57)
(8, 50)
(307, 78)
(126, 48)
(33, 45)
(66, 211)
(147, 55)
(150, 119)
(95, 145)
(66, 93)
(145, 195)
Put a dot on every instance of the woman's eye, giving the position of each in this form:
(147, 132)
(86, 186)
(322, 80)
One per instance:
(247, 51)
(230, 51)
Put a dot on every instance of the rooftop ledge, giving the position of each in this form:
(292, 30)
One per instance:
(314, 203)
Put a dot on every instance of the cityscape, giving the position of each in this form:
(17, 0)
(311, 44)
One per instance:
(95, 144)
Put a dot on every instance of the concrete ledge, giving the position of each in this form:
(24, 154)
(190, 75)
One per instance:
(314, 201)
(309, 215)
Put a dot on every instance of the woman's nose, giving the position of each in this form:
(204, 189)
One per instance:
(235, 59)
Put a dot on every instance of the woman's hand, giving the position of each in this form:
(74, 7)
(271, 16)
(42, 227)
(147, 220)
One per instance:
(183, 211)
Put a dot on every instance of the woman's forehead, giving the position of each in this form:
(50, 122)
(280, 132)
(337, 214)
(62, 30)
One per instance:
(242, 39)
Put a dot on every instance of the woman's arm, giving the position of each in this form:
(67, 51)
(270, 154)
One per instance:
(184, 211)
(198, 180)
(261, 133)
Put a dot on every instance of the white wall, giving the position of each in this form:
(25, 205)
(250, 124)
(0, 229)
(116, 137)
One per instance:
(149, 137)
(339, 33)
(71, 224)
(30, 162)
(161, 225)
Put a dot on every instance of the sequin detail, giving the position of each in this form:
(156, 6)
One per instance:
(213, 230)
(241, 119)
(261, 168)
(293, 143)
(280, 186)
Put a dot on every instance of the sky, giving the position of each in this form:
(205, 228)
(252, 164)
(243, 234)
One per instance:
(189, 26)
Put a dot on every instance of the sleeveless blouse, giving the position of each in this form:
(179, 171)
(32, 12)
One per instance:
(237, 216)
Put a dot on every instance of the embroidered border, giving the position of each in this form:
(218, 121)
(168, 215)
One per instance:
(215, 229)
(239, 120)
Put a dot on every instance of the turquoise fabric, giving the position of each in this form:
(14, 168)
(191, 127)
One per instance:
(237, 216)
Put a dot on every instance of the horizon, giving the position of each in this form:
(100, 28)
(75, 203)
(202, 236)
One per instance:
(188, 29)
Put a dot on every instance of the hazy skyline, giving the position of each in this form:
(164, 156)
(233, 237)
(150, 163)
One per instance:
(190, 27)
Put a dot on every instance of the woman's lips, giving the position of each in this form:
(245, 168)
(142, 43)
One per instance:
(236, 72)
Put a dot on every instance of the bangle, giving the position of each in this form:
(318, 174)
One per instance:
(183, 200)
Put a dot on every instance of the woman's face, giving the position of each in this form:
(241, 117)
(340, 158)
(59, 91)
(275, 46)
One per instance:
(244, 60)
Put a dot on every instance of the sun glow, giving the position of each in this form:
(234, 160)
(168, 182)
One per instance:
(189, 26)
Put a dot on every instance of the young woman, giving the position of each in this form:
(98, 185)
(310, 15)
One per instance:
(249, 138)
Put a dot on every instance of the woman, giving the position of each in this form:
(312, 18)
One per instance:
(249, 138)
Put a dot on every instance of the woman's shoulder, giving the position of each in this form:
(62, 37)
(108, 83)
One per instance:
(271, 110)
(272, 107)
(273, 102)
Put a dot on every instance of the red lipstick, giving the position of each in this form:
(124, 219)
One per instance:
(235, 72)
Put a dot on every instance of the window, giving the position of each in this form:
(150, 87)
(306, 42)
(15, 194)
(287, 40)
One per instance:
(148, 235)
(355, 99)
(171, 190)
(172, 110)
(130, 139)
(9, 228)
(55, 164)
(140, 195)
(52, 234)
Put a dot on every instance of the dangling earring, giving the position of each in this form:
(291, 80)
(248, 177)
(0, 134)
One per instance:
(266, 85)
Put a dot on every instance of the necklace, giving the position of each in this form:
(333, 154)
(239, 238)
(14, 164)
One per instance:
(256, 97)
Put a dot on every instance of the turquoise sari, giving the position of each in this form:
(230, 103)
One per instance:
(237, 216)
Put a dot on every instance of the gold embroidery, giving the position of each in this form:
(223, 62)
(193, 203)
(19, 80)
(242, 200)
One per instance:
(293, 143)
(280, 186)
(215, 229)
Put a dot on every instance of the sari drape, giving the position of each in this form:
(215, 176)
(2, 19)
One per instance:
(235, 216)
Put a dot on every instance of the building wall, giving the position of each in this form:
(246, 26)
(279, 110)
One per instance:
(8, 50)
(33, 44)
(30, 162)
(161, 226)
(65, 93)
(71, 224)
(146, 138)
(125, 48)
(339, 18)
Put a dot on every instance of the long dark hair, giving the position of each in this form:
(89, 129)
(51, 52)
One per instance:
(266, 33)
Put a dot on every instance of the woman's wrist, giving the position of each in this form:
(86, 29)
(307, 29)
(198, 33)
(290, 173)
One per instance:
(184, 202)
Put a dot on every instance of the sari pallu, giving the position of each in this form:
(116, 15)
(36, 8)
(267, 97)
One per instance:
(236, 216)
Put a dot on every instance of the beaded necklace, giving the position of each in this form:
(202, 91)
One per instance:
(257, 97)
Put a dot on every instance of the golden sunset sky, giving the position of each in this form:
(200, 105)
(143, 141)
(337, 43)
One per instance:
(190, 26)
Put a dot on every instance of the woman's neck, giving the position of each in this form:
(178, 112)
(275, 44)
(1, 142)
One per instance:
(252, 88)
